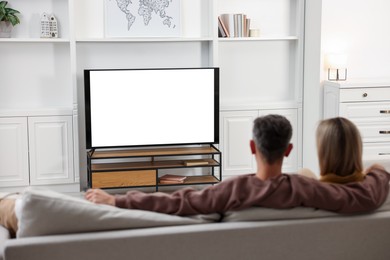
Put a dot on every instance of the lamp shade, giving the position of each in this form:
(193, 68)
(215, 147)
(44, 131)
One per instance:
(337, 60)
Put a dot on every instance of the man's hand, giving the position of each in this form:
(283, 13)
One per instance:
(99, 196)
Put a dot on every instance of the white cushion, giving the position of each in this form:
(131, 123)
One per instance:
(258, 213)
(44, 212)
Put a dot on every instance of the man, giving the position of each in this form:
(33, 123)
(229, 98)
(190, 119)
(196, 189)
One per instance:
(268, 187)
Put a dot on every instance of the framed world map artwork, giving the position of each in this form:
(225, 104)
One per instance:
(142, 18)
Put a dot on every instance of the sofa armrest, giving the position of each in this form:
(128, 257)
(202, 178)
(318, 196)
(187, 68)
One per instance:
(4, 236)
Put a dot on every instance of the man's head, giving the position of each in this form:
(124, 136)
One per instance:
(271, 137)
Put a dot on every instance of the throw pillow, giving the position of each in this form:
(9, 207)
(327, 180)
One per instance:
(44, 212)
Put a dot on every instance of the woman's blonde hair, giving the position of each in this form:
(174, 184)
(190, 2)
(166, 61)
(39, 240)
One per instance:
(339, 146)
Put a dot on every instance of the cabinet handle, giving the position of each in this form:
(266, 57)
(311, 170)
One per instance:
(384, 111)
(383, 153)
(365, 94)
(384, 132)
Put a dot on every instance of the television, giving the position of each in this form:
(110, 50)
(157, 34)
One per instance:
(151, 107)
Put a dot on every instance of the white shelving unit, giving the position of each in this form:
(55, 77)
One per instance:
(38, 89)
(258, 75)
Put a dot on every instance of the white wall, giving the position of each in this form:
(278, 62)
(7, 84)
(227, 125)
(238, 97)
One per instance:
(358, 28)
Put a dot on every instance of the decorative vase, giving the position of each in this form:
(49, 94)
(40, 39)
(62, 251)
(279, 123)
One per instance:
(5, 29)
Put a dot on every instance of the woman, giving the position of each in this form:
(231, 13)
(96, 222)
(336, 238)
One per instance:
(339, 148)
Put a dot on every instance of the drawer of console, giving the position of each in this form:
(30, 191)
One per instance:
(374, 131)
(376, 153)
(123, 179)
(361, 110)
(364, 94)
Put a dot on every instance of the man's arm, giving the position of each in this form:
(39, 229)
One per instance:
(285, 191)
(231, 194)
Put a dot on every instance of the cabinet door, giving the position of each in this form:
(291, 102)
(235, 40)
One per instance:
(290, 163)
(236, 132)
(13, 152)
(51, 150)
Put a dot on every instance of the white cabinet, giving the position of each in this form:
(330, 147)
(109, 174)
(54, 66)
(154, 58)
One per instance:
(36, 151)
(236, 132)
(13, 152)
(51, 150)
(367, 104)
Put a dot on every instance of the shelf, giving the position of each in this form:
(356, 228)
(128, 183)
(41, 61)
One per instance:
(153, 152)
(205, 179)
(154, 39)
(144, 168)
(274, 38)
(250, 104)
(34, 40)
(44, 111)
(171, 164)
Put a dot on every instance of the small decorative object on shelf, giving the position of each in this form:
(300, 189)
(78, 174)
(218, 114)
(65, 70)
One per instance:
(254, 33)
(8, 19)
(53, 26)
(45, 26)
(49, 27)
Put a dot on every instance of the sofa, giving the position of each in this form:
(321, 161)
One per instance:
(255, 233)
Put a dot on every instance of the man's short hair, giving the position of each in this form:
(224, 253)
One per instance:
(272, 135)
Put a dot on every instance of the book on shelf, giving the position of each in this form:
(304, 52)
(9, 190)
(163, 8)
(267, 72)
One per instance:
(228, 21)
(222, 28)
(233, 25)
(195, 162)
(247, 26)
(170, 182)
(172, 179)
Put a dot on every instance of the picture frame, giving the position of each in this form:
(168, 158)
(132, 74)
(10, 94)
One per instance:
(152, 18)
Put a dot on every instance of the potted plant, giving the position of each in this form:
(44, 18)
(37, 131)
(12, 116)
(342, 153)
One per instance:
(8, 19)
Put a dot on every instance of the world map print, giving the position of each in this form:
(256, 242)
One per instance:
(142, 17)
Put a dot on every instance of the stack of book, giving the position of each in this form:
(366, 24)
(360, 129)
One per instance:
(172, 179)
(233, 25)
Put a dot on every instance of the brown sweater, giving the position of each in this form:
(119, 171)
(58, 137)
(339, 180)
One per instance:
(284, 191)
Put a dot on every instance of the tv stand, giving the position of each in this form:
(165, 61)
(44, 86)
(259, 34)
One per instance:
(132, 168)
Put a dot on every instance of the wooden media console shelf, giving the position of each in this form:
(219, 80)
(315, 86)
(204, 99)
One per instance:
(141, 167)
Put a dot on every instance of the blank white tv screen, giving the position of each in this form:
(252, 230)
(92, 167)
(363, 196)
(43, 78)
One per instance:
(151, 107)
